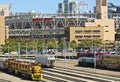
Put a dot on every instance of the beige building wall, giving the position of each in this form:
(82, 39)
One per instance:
(5, 8)
(83, 33)
(2, 30)
(109, 28)
(101, 28)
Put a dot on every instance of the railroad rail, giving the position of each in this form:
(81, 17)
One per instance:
(3, 80)
(62, 74)
(69, 75)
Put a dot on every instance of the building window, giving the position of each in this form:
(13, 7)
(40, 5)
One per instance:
(87, 36)
(2, 12)
(78, 36)
(99, 25)
(78, 31)
(87, 31)
(96, 36)
(106, 26)
(96, 31)
(106, 31)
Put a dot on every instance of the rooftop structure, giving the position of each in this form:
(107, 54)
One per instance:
(101, 9)
(4, 10)
(70, 6)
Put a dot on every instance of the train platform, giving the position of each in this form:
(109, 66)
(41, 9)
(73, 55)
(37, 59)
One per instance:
(73, 64)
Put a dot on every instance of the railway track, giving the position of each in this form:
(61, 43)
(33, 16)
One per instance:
(3, 80)
(59, 74)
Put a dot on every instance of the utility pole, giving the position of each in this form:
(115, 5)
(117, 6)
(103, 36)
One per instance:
(19, 50)
(64, 51)
(9, 50)
(116, 48)
(0, 49)
(69, 50)
(56, 50)
(94, 56)
(26, 50)
(36, 49)
(104, 47)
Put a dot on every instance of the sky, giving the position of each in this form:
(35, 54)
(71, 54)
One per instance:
(45, 6)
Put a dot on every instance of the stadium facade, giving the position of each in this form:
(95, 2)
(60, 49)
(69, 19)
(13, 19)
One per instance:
(39, 25)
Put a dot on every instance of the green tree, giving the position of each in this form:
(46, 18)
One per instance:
(89, 43)
(73, 44)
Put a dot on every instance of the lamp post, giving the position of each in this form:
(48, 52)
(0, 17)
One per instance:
(92, 44)
(19, 45)
(26, 50)
(9, 50)
(19, 50)
(64, 50)
(56, 49)
(0, 48)
(36, 49)
(104, 47)
(94, 56)
(69, 50)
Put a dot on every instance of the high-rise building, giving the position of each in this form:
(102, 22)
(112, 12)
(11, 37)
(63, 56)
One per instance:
(113, 8)
(4, 11)
(101, 9)
(68, 6)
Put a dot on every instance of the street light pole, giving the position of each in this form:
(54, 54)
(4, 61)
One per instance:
(0, 47)
(9, 50)
(19, 49)
(104, 47)
(36, 49)
(64, 51)
(116, 48)
(94, 56)
(55, 50)
(69, 50)
(26, 50)
(92, 44)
